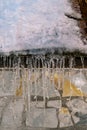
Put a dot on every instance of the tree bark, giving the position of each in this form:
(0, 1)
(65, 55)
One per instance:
(83, 8)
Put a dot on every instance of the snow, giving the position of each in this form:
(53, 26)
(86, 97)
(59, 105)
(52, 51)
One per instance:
(38, 24)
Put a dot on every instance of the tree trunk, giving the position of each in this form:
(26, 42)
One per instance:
(83, 8)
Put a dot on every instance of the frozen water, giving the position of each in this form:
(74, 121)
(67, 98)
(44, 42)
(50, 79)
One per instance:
(54, 104)
(12, 115)
(80, 81)
(64, 118)
(22, 101)
(75, 118)
(37, 118)
(78, 105)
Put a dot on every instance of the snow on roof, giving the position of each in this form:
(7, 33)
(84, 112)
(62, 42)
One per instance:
(33, 24)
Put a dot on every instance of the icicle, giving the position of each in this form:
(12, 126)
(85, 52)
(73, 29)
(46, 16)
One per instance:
(82, 61)
(70, 70)
(3, 73)
(3, 80)
(29, 91)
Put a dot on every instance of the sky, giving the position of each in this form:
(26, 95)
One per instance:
(28, 24)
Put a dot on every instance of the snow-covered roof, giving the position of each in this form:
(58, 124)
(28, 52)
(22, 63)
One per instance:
(34, 24)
